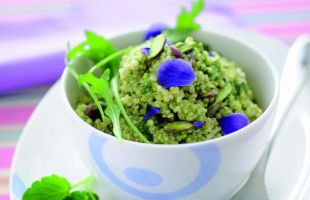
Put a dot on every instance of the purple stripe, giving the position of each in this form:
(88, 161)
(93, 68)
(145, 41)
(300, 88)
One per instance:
(29, 72)
(15, 115)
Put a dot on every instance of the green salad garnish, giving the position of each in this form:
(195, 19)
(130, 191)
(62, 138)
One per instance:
(58, 188)
(185, 23)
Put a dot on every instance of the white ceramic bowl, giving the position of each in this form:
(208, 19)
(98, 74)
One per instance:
(206, 170)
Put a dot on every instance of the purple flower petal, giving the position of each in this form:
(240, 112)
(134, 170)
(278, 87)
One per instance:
(191, 56)
(233, 122)
(175, 73)
(150, 112)
(154, 30)
(198, 124)
(176, 52)
(145, 51)
(212, 55)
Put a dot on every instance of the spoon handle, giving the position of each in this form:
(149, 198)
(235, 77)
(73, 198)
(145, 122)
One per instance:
(294, 76)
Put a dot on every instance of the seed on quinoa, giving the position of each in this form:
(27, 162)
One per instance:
(177, 126)
(211, 94)
(176, 52)
(92, 112)
(223, 93)
(157, 45)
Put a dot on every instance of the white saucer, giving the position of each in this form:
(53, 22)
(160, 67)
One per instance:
(45, 148)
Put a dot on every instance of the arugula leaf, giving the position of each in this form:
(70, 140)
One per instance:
(78, 195)
(94, 47)
(185, 23)
(123, 111)
(100, 86)
(70, 66)
(48, 188)
(186, 20)
(112, 57)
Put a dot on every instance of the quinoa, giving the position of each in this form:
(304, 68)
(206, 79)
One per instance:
(138, 87)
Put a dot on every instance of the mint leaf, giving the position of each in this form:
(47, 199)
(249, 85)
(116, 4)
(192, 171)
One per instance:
(94, 47)
(48, 188)
(186, 20)
(78, 195)
(58, 188)
(100, 86)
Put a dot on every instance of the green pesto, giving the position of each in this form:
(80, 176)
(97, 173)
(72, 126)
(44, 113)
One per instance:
(220, 89)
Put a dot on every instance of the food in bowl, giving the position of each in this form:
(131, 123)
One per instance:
(164, 109)
(170, 89)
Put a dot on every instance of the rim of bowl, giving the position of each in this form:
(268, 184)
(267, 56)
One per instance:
(232, 136)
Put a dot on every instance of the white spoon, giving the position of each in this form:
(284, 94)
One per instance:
(295, 73)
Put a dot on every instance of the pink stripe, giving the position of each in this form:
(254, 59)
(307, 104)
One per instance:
(290, 29)
(4, 197)
(6, 155)
(15, 114)
(271, 6)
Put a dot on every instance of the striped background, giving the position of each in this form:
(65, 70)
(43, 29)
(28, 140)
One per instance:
(284, 19)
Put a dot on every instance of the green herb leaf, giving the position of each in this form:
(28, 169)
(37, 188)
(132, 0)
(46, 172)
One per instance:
(186, 20)
(157, 45)
(100, 86)
(48, 188)
(94, 47)
(58, 188)
(174, 35)
(114, 58)
(123, 111)
(78, 195)
(185, 23)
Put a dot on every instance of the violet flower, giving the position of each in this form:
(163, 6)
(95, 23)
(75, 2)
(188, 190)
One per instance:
(233, 122)
(175, 73)
(145, 51)
(198, 124)
(154, 30)
(150, 112)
